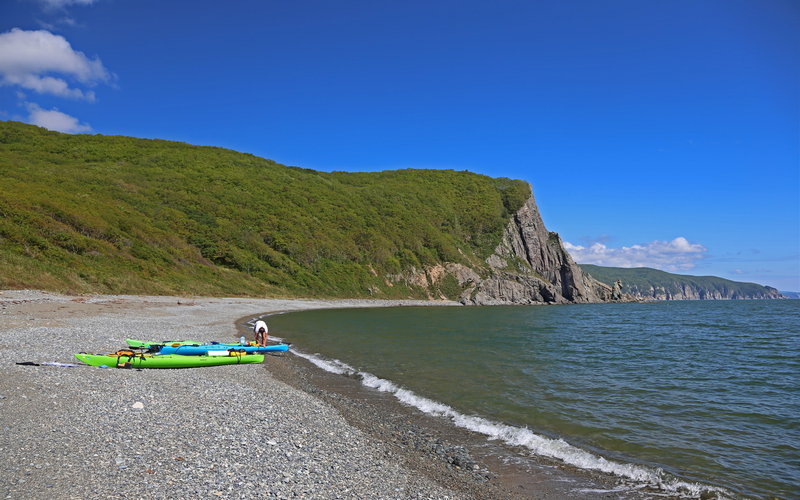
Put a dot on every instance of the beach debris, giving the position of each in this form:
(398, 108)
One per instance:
(138, 405)
(46, 363)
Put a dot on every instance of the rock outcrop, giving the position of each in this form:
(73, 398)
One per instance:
(531, 266)
(649, 284)
(683, 291)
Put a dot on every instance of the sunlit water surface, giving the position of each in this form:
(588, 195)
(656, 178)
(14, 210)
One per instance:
(708, 392)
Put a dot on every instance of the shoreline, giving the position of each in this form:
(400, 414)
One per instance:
(458, 458)
(221, 432)
(288, 429)
(434, 445)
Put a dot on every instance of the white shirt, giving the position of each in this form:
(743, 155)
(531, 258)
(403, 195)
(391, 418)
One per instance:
(259, 325)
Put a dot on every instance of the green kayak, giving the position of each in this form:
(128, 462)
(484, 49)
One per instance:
(128, 359)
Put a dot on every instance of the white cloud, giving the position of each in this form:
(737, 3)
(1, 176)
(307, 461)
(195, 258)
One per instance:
(53, 26)
(675, 255)
(60, 4)
(30, 59)
(53, 119)
(48, 85)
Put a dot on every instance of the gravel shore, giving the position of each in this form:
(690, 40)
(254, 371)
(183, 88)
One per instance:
(231, 431)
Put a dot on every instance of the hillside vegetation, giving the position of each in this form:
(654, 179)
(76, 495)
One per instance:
(83, 213)
(647, 283)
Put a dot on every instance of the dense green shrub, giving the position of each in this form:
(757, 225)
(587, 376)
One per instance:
(118, 214)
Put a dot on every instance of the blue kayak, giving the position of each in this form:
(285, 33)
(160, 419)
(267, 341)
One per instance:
(197, 350)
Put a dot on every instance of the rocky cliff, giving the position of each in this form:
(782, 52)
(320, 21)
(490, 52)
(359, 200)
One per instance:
(531, 266)
(528, 266)
(697, 293)
(652, 284)
(684, 291)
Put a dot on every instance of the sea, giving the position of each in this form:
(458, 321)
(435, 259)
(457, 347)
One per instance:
(682, 397)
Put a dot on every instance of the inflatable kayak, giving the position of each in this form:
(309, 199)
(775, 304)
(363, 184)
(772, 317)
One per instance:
(129, 359)
(142, 343)
(194, 350)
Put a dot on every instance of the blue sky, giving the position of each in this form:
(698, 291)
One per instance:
(664, 134)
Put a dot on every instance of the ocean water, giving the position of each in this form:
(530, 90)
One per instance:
(683, 396)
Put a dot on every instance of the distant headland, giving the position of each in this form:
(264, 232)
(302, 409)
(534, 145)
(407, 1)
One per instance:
(651, 284)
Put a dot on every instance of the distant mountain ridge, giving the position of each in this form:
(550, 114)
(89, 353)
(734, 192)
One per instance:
(652, 284)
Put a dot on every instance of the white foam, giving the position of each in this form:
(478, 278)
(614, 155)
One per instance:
(600, 491)
(333, 366)
(519, 436)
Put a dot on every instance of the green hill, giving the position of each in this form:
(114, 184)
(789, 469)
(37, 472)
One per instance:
(91, 213)
(647, 283)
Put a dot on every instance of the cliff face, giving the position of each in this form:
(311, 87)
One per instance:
(645, 283)
(531, 266)
(689, 291)
(528, 266)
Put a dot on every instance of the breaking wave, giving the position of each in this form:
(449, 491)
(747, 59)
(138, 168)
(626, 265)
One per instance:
(559, 449)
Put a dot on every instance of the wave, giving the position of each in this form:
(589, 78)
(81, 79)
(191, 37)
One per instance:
(518, 436)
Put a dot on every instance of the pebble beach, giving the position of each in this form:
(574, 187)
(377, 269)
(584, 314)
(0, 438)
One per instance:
(230, 431)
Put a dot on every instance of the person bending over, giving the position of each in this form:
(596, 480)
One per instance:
(261, 332)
